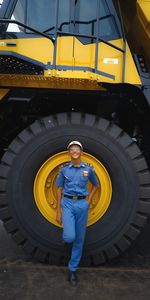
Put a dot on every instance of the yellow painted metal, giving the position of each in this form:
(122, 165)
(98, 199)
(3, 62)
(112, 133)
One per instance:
(131, 73)
(40, 49)
(110, 61)
(45, 189)
(136, 16)
(143, 7)
(54, 79)
(85, 56)
(3, 93)
(143, 29)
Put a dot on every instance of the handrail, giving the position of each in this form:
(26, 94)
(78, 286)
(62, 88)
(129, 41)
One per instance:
(27, 27)
(61, 33)
(92, 37)
(79, 22)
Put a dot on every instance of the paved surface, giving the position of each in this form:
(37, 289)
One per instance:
(26, 281)
(125, 278)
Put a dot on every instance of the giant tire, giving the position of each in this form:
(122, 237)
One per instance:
(126, 166)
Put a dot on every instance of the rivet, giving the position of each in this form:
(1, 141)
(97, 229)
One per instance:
(48, 185)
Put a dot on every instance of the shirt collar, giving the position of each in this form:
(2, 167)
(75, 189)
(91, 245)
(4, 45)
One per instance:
(81, 164)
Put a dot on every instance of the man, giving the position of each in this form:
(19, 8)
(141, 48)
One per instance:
(73, 203)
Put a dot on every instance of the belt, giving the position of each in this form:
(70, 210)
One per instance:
(74, 197)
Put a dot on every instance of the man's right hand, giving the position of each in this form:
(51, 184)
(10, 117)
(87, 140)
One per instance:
(59, 217)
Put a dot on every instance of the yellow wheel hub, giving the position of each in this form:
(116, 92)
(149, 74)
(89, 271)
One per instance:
(45, 189)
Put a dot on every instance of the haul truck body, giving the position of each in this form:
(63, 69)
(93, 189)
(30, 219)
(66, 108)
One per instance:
(136, 16)
(67, 72)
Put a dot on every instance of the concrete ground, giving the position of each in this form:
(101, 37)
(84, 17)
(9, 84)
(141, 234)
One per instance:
(125, 278)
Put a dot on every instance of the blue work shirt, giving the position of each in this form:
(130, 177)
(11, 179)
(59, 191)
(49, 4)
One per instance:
(74, 179)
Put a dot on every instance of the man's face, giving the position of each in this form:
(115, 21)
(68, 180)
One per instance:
(75, 151)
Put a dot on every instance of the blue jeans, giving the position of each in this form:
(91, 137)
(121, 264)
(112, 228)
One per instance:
(74, 219)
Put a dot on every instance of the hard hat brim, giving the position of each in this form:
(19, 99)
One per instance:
(75, 143)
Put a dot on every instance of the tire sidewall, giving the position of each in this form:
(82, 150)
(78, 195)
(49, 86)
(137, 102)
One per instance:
(105, 232)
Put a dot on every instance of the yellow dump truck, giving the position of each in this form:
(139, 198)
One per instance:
(68, 71)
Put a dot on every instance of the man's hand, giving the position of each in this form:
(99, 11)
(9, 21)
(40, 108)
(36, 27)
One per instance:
(92, 192)
(59, 211)
(59, 217)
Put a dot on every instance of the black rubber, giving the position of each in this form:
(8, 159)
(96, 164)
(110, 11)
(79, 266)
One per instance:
(130, 204)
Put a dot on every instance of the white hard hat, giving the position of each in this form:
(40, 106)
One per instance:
(75, 143)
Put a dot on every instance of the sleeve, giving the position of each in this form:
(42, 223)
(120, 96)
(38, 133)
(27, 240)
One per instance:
(92, 177)
(60, 179)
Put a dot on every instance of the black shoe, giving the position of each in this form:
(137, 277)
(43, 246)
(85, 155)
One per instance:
(72, 278)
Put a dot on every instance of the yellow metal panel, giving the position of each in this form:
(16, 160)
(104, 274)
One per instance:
(65, 51)
(107, 55)
(136, 16)
(143, 7)
(131, 73)
(3, 93)
(40, 49)
(84, 54)
(110, 61)
(141, 25)
(64, 80)
(71, 52)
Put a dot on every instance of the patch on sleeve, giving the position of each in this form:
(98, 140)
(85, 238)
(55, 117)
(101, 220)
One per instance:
(85, 173)
(89, 165)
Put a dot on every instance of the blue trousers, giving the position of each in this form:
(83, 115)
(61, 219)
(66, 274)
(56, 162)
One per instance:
(74, 219)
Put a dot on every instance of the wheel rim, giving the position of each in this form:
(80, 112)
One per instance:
(45, 191)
